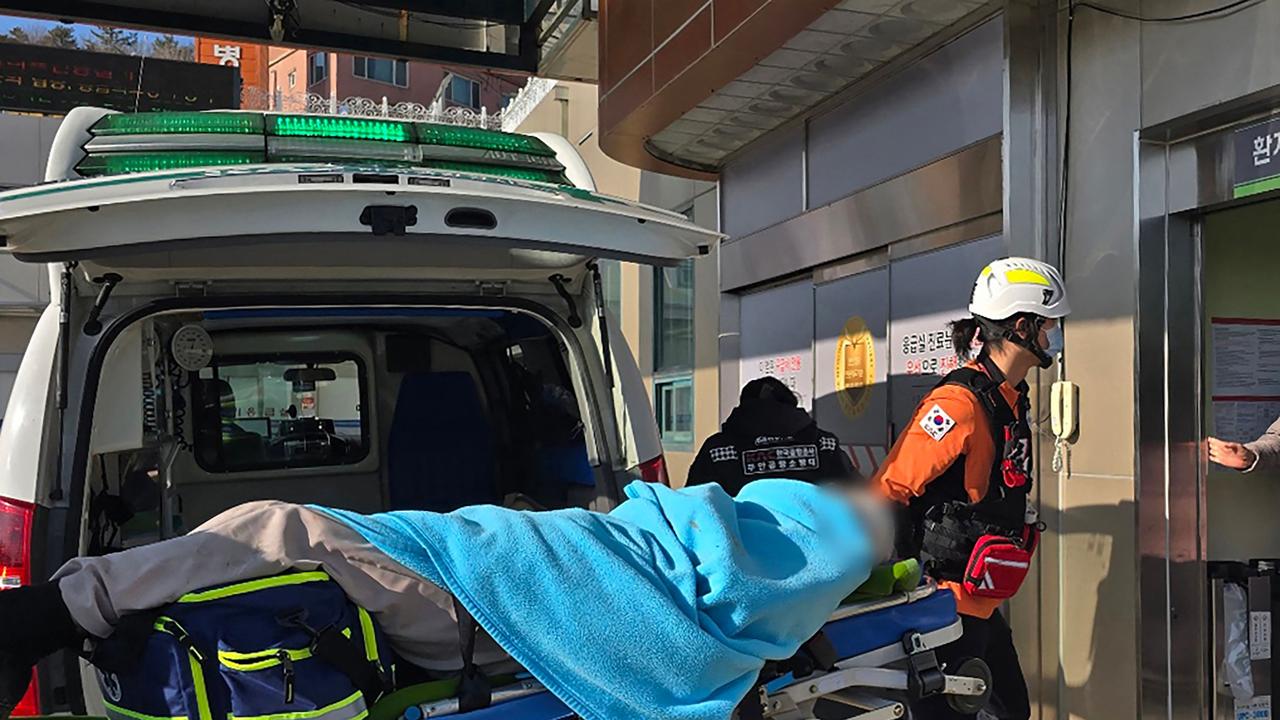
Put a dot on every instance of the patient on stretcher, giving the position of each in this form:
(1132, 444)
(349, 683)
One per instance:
(667, 607)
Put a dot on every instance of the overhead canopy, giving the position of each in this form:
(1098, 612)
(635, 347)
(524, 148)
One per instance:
(500, 34)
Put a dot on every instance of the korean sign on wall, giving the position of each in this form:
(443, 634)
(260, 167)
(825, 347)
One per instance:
(777, 338)
(49, 80)
(1257, 158)
(927, 292)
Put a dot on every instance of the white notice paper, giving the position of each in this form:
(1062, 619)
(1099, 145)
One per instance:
(1243, 420)
(1259, 708)
(1260, 635)
(1246, 357)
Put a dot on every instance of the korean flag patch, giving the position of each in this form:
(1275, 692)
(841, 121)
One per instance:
(937, 423)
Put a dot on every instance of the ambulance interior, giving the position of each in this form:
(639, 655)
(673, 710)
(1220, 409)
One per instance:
(365, 409)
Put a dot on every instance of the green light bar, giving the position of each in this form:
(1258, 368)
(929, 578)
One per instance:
(449, 135)
(162, 123)
(123, 163)
(544, 176)
(314, 149)
(321, 126)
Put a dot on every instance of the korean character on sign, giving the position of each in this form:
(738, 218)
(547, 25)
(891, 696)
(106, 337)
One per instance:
(1262, 149)
(11, 79)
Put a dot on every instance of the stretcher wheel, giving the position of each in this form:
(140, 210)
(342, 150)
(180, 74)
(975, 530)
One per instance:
(971, 704)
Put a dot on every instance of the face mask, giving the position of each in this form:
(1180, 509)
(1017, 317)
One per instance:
(1056, 342)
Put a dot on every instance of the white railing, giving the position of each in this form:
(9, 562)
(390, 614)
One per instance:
(529, 97)
(509, 119)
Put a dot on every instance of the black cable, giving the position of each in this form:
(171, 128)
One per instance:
(1065, 173)
(179, 380)
(1212, 12)
(1064, 188)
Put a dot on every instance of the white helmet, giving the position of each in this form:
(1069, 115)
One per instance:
(1015, 285)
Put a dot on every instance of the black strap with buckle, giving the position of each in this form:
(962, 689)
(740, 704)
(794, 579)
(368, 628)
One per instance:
(924, 674)
(475, 691)
(340, 651)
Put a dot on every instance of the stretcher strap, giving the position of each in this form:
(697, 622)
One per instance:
(342, 652)
(475, 692)
(816, 654)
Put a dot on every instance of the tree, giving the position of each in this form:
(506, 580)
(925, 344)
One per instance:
(169, 47)
(113, 40)
(61, 36)
(18, 35)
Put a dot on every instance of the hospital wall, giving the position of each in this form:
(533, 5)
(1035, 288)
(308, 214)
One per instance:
(1131, 519)
(876, 201)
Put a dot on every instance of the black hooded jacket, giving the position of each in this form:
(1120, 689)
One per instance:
(764, 438)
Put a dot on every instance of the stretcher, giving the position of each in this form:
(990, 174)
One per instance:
(884, 660)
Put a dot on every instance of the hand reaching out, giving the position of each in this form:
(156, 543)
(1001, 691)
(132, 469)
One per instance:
(1231, 454)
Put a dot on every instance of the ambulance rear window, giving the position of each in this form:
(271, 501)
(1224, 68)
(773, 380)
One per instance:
(261, 413)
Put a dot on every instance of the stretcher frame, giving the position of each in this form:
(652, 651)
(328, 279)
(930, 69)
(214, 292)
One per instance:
(878, 682)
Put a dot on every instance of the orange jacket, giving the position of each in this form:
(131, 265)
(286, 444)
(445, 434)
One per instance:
(917, 459)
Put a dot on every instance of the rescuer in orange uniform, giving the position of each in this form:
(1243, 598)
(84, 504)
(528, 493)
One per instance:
(962, 469)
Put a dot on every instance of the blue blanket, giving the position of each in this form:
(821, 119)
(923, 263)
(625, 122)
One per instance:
(667, 607)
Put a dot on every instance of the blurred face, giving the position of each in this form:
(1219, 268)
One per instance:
(877, 517)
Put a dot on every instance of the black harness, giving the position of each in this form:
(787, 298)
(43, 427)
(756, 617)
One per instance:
(943, 523)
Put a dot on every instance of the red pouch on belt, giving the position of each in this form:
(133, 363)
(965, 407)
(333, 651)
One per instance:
(999, 564)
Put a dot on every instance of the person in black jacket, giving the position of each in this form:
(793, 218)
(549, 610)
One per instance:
(769, 436)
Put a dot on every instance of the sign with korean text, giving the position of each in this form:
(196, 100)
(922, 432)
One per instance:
(777, 338)
(49, 80)
(1257, 158)
(765, 461)
(927, 293)
(250, 60)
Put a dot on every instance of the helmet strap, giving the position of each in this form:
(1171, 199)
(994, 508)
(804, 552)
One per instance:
(1008, 332)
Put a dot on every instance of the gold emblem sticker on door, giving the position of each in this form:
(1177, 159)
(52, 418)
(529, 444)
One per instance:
(855, 367)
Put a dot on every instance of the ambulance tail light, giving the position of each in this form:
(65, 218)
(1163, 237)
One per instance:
(15, 543)
(655, 471)
(15, 570)
(29, 706)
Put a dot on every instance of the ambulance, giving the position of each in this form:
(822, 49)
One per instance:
(358, 312)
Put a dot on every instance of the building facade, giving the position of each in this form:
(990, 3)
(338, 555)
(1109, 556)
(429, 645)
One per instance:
(293, 73)
(872, 155)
